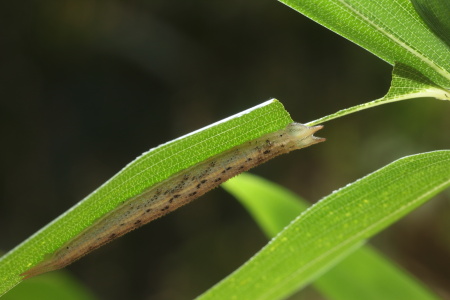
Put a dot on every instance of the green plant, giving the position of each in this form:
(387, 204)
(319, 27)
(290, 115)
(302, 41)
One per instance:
(421, 70)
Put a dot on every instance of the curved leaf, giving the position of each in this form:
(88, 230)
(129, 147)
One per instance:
(335, 226)
(364, 274)
(150, 168)
(392, 30)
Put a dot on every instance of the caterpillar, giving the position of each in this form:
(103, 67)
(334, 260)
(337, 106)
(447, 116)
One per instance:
(179, 189)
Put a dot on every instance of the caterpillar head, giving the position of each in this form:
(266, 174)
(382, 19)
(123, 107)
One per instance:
(304, 135)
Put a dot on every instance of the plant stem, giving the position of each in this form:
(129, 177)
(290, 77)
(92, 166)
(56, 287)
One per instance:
(374, 103)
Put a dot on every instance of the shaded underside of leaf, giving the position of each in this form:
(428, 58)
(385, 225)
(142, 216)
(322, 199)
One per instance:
(150, 168)
(364, 274)
(436, 14)
(392, 30)
(407, 83)
(336, 225)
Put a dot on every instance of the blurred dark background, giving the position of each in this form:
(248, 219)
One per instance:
(86, 86)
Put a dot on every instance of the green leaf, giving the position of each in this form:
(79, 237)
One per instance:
(51, 286)
(436, 14)
(408, 83)
(364, 274)
(150, 168)
(270, 205)
(392, 30)
(335, 226)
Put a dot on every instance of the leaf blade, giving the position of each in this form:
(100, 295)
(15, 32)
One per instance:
(435, 14)
(52, 286)
(373, 277)
(364, 274)
(384, 28)
(153, 166)
(335, 226)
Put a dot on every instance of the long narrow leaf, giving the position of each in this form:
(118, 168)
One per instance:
(390, 29)
(335, 226)
(150, 168)
(364, 274)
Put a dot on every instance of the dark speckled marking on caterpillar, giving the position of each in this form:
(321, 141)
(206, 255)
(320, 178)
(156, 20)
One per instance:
(176, 191)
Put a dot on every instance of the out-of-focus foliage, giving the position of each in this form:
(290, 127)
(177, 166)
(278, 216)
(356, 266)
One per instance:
(51, 286)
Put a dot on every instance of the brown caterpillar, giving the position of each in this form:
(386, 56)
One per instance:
(177, 190)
